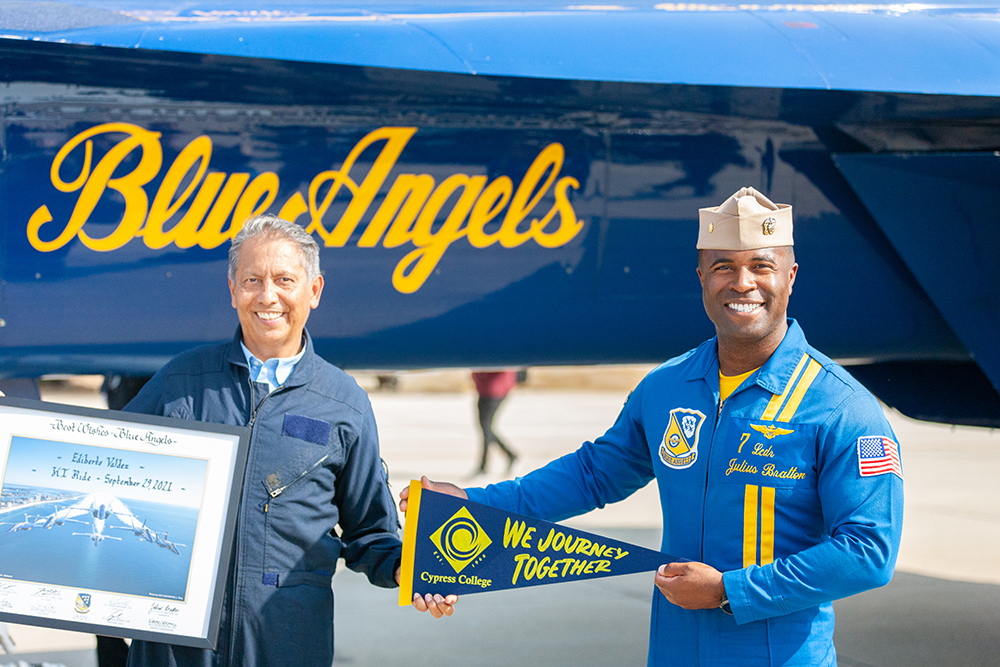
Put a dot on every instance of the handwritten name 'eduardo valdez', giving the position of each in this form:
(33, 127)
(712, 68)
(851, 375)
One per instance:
(116, 462)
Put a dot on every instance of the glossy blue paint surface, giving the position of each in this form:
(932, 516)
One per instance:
(940, 213)
(627, 278)
(657, 114)
(941, 49)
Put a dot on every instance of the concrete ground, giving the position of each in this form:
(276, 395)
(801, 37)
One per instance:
(942, 607)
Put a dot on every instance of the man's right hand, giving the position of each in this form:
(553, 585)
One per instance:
(438, 606)
(440, 487)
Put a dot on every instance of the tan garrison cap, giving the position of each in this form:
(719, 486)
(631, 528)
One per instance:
(746, 221)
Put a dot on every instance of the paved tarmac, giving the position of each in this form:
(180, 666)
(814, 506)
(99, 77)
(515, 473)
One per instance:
(941, 608)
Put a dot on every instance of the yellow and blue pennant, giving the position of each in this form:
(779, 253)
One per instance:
(456, 546)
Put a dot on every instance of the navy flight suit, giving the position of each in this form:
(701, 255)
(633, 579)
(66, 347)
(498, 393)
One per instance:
(313, 464)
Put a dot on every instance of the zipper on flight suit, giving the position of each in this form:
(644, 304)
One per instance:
(708, 472)
(253, 400)
(254, 408)
(274, 493)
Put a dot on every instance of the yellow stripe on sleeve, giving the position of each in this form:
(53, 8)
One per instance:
(777, 400)
(766, 525)
(812, 370)
(750, 526)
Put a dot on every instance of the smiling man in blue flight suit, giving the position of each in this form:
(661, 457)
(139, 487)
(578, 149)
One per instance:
(313, 462)
(779, 476)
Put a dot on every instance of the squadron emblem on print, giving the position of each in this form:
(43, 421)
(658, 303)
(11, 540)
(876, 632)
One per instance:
(82, 603)
(679, 448)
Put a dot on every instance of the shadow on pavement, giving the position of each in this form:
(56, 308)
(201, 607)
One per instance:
(919, 621)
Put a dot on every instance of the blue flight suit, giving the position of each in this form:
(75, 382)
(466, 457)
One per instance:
(767, 488)
(313, 464)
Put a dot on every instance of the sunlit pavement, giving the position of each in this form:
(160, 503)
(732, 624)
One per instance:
(942, 607)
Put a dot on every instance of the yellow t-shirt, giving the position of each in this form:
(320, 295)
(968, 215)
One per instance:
(727, 384)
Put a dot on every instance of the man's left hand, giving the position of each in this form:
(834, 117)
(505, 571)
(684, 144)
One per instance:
(691, 585)
(437, 605)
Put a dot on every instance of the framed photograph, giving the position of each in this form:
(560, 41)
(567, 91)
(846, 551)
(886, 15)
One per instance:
(115, 523)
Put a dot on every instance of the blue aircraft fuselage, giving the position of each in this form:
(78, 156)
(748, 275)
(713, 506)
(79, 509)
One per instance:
(503, 185)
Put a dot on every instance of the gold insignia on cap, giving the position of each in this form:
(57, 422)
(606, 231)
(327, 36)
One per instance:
(746, 221)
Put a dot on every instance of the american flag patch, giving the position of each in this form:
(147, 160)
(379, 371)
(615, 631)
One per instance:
(878, 455)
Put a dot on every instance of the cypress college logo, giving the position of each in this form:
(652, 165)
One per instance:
(679, 448)
(461, 540)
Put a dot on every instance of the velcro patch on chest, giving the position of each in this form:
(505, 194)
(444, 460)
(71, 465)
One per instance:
(305, 428)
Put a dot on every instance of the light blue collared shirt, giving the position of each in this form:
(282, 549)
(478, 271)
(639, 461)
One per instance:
(272, 372)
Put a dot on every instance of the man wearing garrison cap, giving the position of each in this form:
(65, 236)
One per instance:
(779, 477)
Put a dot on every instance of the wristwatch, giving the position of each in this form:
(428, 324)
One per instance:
(724, 605)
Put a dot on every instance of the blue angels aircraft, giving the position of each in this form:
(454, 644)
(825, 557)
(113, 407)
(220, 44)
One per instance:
(101, 507)
(27, 524)
(496, 183)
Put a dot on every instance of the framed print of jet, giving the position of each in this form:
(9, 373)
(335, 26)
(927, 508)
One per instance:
(114, 523)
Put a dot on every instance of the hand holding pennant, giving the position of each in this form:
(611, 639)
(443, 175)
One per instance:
(453, 546)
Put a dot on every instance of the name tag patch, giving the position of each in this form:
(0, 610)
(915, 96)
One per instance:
(311, 430)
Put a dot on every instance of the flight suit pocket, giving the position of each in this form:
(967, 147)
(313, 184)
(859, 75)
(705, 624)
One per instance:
(774, 454)
(300, 467)
(299, 510)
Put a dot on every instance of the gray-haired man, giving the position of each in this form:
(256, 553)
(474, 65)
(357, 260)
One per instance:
(313, 463)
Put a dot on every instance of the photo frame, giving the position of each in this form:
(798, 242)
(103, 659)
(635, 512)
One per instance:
(115, 523)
